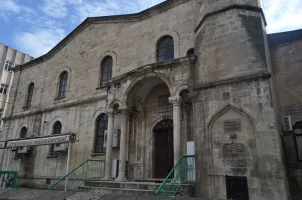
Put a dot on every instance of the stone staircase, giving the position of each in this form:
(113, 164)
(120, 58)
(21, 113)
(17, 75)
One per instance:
(137, 188)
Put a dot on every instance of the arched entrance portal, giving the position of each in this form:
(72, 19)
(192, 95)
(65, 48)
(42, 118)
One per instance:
(163, 148)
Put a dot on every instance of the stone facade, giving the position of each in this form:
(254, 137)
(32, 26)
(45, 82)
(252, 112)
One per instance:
(286, 50)
(222, 97)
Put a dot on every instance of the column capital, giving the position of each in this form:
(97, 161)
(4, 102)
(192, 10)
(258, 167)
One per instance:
(176, 100)
(124, 110)
(110, 112)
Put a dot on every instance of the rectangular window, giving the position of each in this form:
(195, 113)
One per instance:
(8, 65)
(3, 88)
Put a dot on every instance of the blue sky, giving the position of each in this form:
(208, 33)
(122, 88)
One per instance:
(35, 26)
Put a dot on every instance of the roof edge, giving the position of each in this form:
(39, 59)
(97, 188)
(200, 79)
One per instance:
(134, 17)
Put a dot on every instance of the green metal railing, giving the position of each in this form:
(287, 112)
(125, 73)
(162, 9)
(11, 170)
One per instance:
(183, 172)
(88, 170)
(9, 178)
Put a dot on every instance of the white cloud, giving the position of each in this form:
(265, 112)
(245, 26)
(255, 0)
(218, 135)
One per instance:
(39, 42)
(10, 7)
(96, 8)
(54, 8)
(283, 15)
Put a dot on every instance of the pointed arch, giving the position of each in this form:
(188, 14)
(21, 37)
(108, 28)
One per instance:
(227, 108)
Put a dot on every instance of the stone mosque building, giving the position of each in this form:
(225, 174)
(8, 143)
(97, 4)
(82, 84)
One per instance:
(200, 71)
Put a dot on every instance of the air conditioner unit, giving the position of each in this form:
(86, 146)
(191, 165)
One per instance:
(287, 122)
(115, 140)
(23, 150)
(15, 149)
(60, 147)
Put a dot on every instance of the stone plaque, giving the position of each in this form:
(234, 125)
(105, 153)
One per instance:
(164, 109)
(232, 125)
(295, 109)
(234, 156)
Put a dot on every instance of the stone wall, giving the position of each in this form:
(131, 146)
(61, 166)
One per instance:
(287, 63)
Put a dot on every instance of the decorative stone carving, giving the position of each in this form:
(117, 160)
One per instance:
(216, 144)
(233, 136)
(252, 143)
(164, 109)
(232, 125)
(234, 157)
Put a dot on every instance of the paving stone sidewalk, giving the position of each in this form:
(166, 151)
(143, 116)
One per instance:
(41, 194)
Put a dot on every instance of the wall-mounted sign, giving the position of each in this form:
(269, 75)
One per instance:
(38, 141)
(232, 125)
(2, 145)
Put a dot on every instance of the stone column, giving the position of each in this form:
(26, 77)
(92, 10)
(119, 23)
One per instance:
(108, 169)
(176, 102)
(123, 145)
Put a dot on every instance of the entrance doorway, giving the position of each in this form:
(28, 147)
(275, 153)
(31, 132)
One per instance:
(164, 156)
(237, 188)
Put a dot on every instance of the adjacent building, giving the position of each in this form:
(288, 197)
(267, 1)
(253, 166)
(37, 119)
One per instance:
(8, 59)
(183, 71)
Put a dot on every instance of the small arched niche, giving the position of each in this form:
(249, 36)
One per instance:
(233, 141)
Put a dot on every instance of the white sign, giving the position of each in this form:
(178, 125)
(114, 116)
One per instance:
(38, 141)
(2, 145)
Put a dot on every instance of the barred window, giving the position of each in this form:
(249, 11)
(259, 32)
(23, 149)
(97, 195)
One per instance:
(100, 137)
(3, 88)
(8, 65)
(57, 129)
(30, 93)
(165, 49)
(22, 134)
(106, 70)
(63, 84)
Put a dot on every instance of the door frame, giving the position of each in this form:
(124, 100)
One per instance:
(153, 145)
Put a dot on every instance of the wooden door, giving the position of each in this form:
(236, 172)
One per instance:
(163, 153)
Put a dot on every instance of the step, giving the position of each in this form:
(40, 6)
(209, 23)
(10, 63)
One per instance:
(123, 185)
(103, 190)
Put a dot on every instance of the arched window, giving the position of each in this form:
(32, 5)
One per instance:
(191, 52)
(63, 84)
(106, 70)
(30, 92)
(57, 129)
(100, 137)
(165, 49)
(22, 134)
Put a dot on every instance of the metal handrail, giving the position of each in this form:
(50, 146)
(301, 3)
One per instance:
(74, 170)
(176, 177)
(11, 182)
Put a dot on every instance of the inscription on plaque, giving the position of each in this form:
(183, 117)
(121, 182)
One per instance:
(234, 156)
(164, 109)
(232, 125)
(295, 109)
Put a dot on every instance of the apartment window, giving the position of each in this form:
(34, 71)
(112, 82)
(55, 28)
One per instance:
(101, 127)
(56, 130)
(30, 92)
(63, 84)
(3, 88)
(8, 65)
(165, 49)
(106, 70)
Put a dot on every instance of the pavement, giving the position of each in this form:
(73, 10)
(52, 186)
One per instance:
(43, 194)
